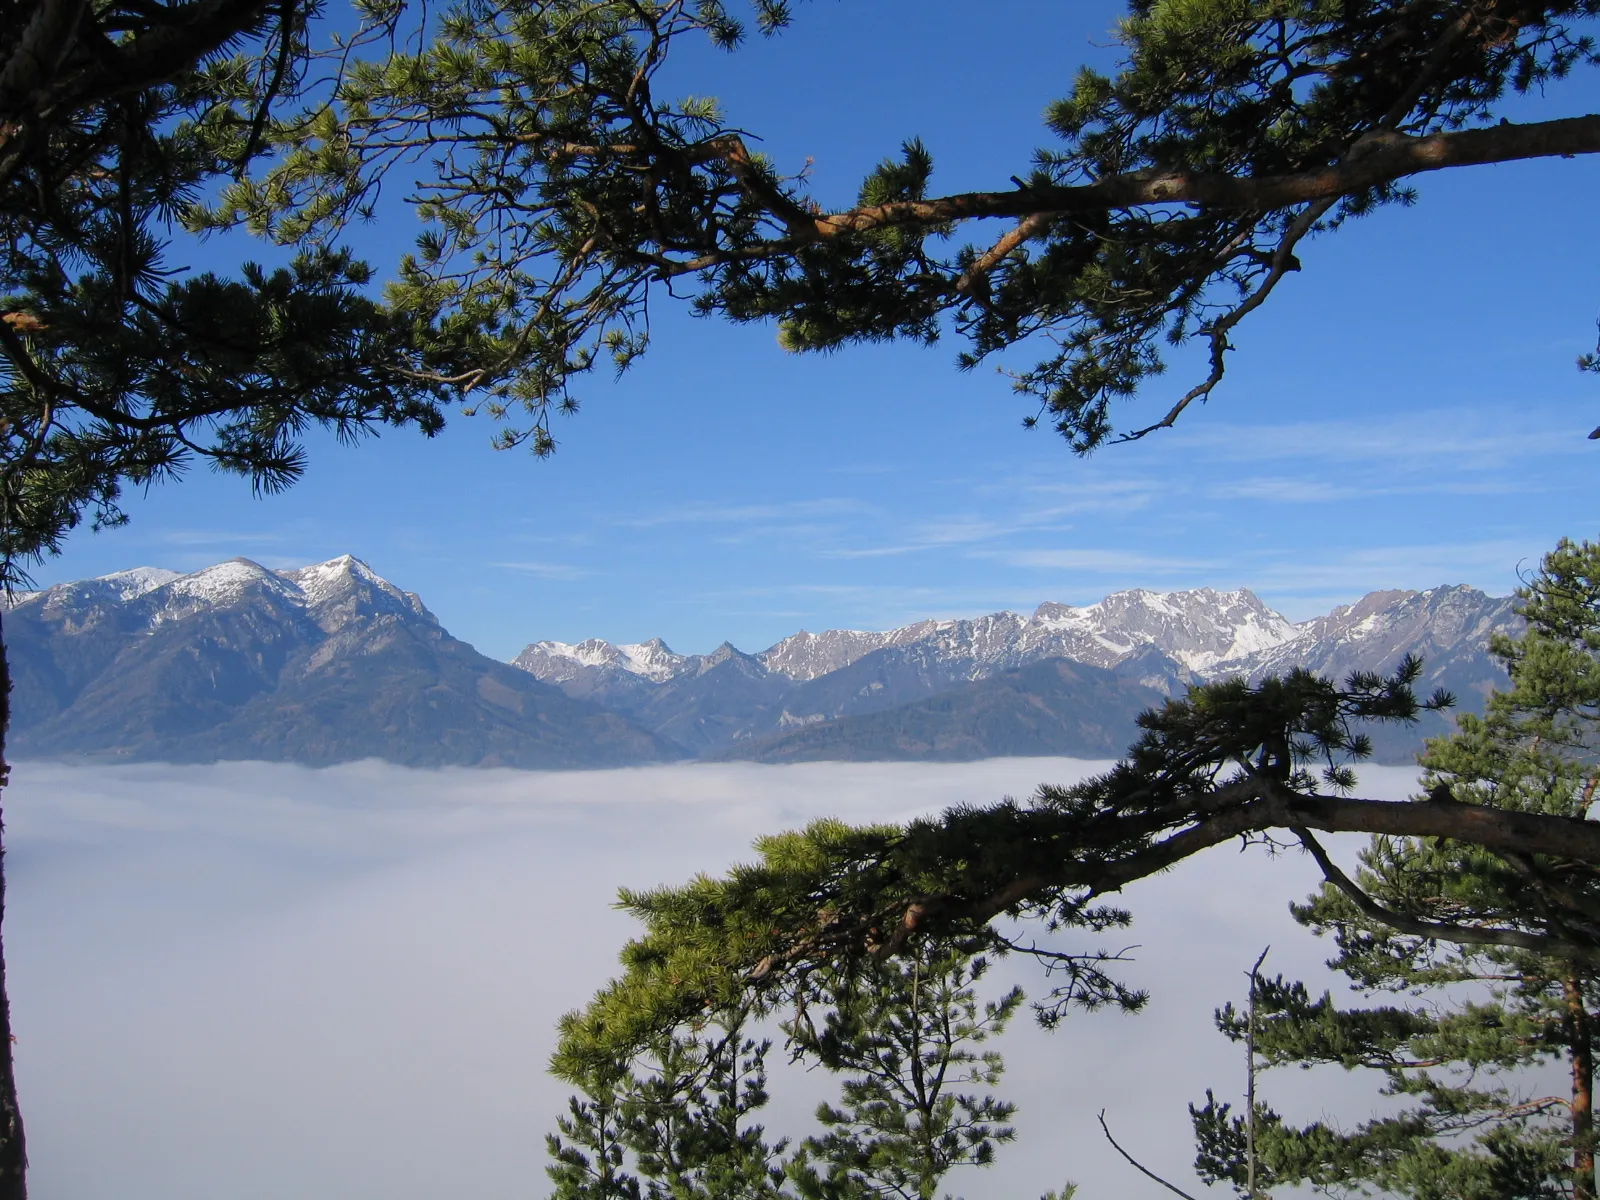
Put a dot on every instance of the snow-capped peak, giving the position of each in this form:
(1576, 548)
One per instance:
(332, 591)
(340, 579)
(556, 662)
(135, 582)
(651, 659)
(1198, 629)
(224, 583)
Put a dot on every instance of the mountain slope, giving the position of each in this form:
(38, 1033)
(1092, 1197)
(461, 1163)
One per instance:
(330, 662)
(325, 664)
(1164, 641)
(1055, 707)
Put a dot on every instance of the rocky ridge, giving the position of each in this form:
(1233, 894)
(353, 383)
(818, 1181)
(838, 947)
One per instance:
(1159, 641)
(325, 663)
(331, 662)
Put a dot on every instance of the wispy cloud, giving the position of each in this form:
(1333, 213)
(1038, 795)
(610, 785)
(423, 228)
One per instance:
(1098, 495)
(1465, 439)
(213, 537)
(544, 570)
(963, 530)
(1098, 560)
(1302, 490)
(866, 469)
(870, 605)
(709, 513)
(1491, 564)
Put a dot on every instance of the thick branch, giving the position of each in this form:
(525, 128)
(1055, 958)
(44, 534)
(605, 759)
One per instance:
(1264, 807)
(1471, 935)
(39, 52)
(1382, 159)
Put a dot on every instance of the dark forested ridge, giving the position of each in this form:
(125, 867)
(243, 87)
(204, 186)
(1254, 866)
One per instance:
(331, 663)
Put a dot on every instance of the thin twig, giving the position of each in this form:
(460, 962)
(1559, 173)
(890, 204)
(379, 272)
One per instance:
(1171, 1187)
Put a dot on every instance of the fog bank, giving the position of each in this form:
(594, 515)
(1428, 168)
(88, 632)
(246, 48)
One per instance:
(252, 982)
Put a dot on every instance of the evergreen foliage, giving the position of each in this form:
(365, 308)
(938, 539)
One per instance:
(1457, 1059)
(559, 193)
(117, 366)
(677, 1119)
(1481, 889)
(1210, 767)
(565, 188)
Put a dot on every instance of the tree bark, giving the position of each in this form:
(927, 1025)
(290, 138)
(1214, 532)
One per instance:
(1580, 1035)
(13, 1146)
(1377, 160)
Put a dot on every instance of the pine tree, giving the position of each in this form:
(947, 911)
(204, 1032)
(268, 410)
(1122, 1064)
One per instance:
(1497, 863)
(1168, 201)
(676, 1126)
(1457, 1058)
(677, 1120)
(1467, 1127)
(118, 368)
(905, 1037)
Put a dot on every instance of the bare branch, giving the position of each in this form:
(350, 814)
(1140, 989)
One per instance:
(1472, 935)
(1140, 1167)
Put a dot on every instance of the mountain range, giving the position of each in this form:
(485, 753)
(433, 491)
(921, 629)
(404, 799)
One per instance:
(330, 662)
(325, 664)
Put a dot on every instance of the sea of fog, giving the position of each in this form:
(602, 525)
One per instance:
(252, 982)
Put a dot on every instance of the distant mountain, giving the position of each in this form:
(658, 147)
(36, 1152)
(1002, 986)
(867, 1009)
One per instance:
(1449, 627)
(1161, 642)
(330, 662)
(1054, 707)
(323, 664)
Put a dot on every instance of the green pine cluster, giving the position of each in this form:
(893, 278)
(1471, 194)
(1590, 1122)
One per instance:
(678, 1118)
(1469, 1030)
(565, 187)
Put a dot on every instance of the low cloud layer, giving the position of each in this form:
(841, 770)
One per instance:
(246, 982)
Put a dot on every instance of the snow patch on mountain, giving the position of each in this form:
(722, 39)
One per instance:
(558, 662)
(331, 591)
(221, 585)
(1206, 633)
(346, 582)
(131, 584)
(1378, 630)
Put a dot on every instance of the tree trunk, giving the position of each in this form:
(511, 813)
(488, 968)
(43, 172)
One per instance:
(13, 1147)
(1582, 1051)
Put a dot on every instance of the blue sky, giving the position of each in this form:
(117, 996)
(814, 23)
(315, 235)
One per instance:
(1403, 413)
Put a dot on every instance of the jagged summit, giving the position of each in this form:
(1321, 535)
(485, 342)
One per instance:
(774, 704)
(331, 661)
(1197, 629)
(332, 591)
(317, 664)
(561, 661)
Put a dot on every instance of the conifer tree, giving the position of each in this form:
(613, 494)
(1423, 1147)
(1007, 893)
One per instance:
(567, 186)
(905, 1036)
(677, 1120)
(1269, 761)
(117, 366)
(1460, 1058)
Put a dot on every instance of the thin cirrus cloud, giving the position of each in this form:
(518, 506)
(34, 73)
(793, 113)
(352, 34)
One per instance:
(965, 531)
(236, 980)
(1494, 563)
(1100, 561)
(215, 537)
(1295, 490)
(1462, 439)
(555, 572)
(709, 513)
(873, 606)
